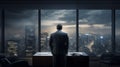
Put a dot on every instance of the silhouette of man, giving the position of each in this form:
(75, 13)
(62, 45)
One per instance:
(59, 47)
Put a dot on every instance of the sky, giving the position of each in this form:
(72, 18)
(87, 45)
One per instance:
(90, 21)
(16, 20)
(50, 18)
(118, 22)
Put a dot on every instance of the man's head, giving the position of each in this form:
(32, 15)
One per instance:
(59, 27)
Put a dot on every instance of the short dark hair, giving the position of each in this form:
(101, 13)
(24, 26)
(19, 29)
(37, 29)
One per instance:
(59, 27)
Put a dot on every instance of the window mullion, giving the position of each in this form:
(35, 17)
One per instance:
(113, 31)
(77, 30)
(3, 32)
(39, 30)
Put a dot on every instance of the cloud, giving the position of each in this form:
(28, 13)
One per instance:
(117, 19)
(51, 22)
(83, 20)
(92, 20)
(85, 16)
(17, 18)
(95, 16)
(52, 14)
(68, 16)
(88, 19)
(117, 22)
(94, 12)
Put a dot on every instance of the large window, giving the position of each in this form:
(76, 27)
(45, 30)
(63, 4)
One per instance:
(49, 20)
(21, 28)
(95, 31)
(28, 31)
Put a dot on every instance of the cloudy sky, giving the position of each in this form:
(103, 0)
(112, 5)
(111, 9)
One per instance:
(90, 21)
(50, 18)
(118, 22)
(16, 20)
(95, 21)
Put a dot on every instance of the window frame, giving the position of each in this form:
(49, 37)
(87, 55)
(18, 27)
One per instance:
(77, 30)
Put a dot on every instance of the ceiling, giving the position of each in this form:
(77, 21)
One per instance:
(60, 4)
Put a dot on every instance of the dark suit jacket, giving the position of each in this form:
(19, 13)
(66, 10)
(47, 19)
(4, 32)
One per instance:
(59, 43)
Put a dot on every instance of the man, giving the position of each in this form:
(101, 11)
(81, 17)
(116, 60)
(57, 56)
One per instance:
(59, 47)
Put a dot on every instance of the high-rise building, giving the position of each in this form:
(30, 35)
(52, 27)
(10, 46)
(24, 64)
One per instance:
(44, 41)
(12, 47)
(29, 40)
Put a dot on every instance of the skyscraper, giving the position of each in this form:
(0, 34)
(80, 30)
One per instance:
(29, 40)
(44, 41)
(12, 48)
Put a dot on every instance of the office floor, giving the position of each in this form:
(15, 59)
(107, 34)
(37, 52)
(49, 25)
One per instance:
(93, 62)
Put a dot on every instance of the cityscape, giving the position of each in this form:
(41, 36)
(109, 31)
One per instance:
(92, 44)
(22, 34)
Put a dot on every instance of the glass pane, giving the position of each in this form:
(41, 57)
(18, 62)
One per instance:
(117, 31)
(95, 31)
(21, 28)
(49, 20)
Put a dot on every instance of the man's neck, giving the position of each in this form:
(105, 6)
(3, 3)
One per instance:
(58, 30)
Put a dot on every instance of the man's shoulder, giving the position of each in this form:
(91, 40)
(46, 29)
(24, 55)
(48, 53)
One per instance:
(52, 33)
(59, 32)
(64, 32)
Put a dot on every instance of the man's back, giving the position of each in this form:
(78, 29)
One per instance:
(59, 47)
(59, 43)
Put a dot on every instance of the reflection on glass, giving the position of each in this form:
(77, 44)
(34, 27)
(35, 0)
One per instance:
(21, 28)
(49, 20)
(117, 29)
(95, 31)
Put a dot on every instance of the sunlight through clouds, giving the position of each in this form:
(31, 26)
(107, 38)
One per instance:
(52, 22)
